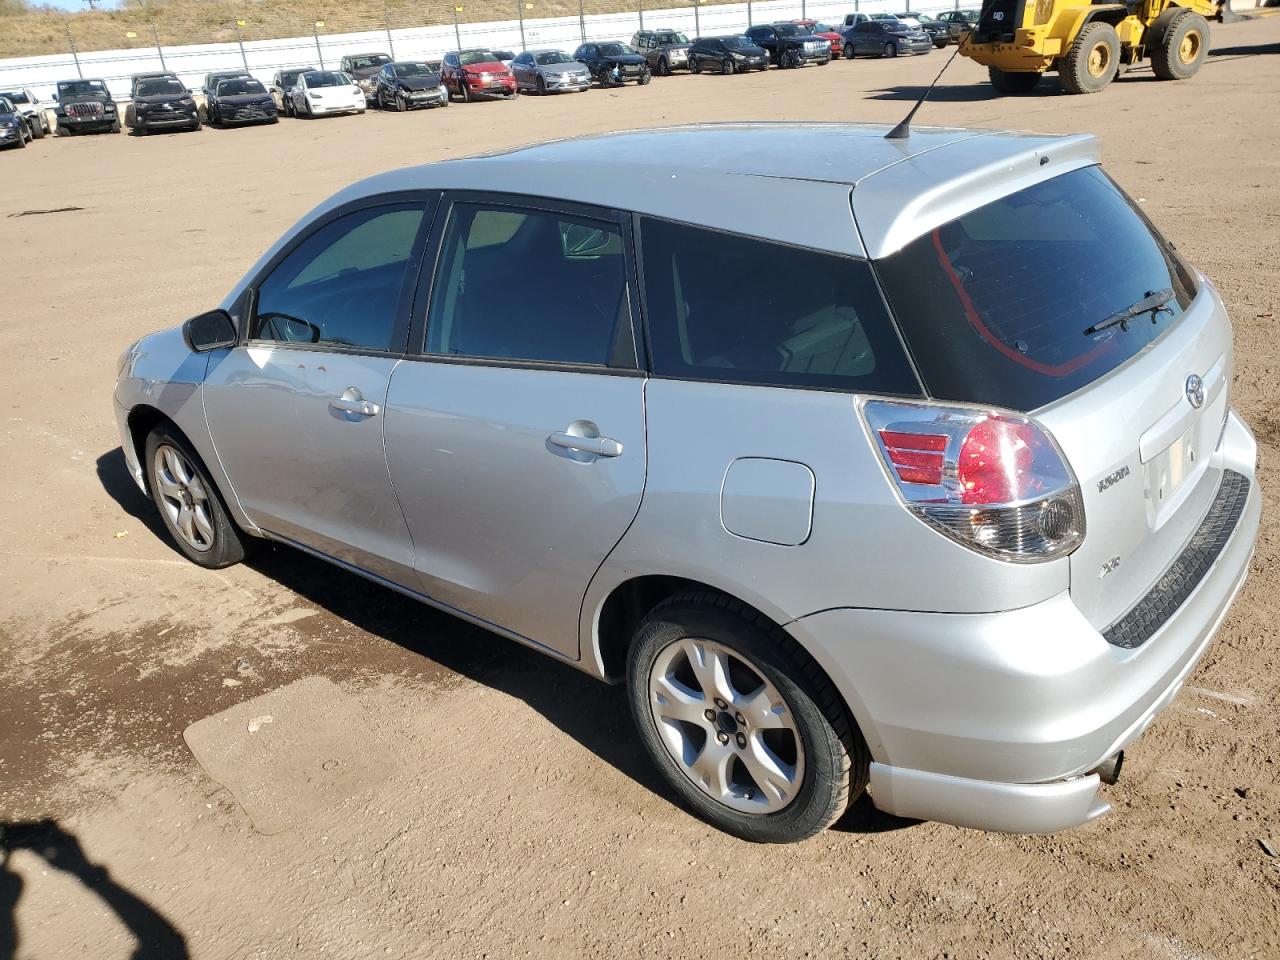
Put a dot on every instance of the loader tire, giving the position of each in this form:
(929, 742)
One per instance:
(1011, 84)
(1180, 45)
(1092, 61)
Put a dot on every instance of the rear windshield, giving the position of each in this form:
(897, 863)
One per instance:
(994, 306)
(739, 309)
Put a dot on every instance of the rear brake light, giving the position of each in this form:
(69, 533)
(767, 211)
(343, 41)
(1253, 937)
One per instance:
(993, 481)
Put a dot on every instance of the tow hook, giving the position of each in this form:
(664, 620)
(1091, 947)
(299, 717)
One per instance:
(1108, 770)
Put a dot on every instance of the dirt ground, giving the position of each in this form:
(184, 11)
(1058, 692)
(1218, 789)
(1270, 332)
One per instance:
(507, 810)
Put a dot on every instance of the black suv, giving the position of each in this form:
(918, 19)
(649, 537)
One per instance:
(161, 102)
(613, 64)
(664, 50)
(281, 88)
(790, 45)
(726, 55)
(85, 106)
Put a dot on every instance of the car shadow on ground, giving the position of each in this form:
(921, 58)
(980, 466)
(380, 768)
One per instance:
(594, 714)
(156, 938)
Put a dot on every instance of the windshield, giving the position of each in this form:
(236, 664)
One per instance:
(15, 96)
(994, 305)
(737, 43)
(663, 38)
(413, 70)
(239, 88)
(326, 78)
(80, 88)
(923, 17)
(6, 106)
(363, 63)
(160, 88)
(615, 49)
(788, 30)
(823, 28)
(550, 57)
(469, 57)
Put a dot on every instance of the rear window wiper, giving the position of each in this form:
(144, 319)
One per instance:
(1153, 303)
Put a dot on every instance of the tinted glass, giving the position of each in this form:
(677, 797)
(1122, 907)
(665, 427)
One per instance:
(788, 30)
(468, 57)
(240, 88)
(553, 56)
(994, 305)
(727, 307)
(362, 63)
(16, 97)
(527, 285)
(342, 284)
(78, 88)
(155, 88)
(737, 43)
(615, 49)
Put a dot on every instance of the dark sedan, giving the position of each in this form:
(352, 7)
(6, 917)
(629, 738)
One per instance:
(241, 100)
(405, 84)
(726, 55)
(884, 38)
(613, 64)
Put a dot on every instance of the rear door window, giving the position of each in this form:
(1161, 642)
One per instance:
(994, 305)
(721, 306)
(515, 283)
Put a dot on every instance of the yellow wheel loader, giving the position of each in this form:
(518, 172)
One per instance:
(1019, 41)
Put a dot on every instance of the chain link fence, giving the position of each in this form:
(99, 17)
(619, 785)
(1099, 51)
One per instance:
(197, 36)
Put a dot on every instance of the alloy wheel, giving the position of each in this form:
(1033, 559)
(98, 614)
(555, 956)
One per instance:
(183, 498)
(726, 726)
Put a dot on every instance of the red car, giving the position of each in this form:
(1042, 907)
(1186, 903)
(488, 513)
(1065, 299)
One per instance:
(819, 29)
(477, 73)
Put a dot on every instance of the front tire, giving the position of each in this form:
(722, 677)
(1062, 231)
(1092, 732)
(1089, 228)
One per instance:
(695, 65)
(1093, 60)
(728, 68)
(890, 50)
(741, 721)
(1012, 84)
(189, 503)
(37, 129)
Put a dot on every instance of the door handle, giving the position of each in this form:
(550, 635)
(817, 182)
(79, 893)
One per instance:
(359, 408)
(600, 446)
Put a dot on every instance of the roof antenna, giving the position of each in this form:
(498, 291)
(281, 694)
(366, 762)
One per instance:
(903, 130)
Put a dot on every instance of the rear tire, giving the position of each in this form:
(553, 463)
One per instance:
(1012, 84)
(1180, 47)
(1093, 60)
(795, 733)
(848, 51)
(190, 505)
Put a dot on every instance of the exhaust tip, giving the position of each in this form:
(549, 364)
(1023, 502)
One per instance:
(1108, 770)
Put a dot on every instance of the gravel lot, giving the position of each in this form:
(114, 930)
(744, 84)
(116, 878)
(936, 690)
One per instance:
(503, 807)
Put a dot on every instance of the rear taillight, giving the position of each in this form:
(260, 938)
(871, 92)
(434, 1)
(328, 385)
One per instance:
(993, 481)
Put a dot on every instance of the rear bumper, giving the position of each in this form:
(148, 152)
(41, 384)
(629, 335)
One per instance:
(995, 720)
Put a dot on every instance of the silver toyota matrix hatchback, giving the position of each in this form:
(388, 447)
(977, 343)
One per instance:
(905, 466)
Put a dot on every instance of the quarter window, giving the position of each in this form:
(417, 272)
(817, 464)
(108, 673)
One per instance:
(727, 307)
(341, 286)
(522, 284)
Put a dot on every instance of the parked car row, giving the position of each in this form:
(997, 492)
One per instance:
(161, 101)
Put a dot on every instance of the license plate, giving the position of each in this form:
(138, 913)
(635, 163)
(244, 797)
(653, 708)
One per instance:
(1169, 471)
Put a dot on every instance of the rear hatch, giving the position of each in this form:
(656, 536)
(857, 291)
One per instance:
(1021, 304)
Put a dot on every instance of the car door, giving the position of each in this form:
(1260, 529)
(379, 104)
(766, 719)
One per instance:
(868, 37)
(295, 409)
(516, 439)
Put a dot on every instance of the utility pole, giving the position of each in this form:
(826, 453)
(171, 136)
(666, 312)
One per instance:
(386, 21)
(582, 21)
(457, 33)
(156, 37)
(641, 14)
(71, 42)
(520, 5)
(315, 32)
(697, 24)
(240, 40)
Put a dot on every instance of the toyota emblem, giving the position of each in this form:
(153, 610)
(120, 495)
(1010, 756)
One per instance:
(1195, 391)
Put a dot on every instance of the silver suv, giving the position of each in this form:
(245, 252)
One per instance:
(934, 490)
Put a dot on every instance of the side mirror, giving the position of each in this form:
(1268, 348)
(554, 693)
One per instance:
(55, 95)
(209, 331)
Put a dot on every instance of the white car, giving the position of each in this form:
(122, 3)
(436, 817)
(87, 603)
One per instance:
(321, 92)
(28, 104)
